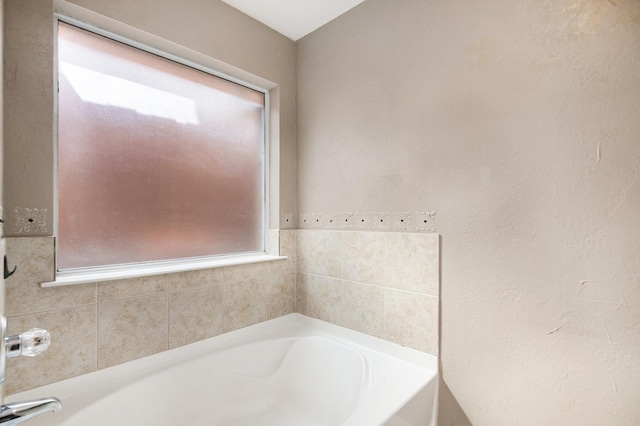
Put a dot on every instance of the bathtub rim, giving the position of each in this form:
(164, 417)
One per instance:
(137, 369)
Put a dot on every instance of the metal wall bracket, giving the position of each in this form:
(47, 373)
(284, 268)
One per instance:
(8, 273)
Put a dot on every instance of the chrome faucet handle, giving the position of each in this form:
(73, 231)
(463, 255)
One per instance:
(29, 343)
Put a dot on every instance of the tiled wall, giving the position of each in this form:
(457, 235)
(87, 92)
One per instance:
(98, 325)
(383, 284)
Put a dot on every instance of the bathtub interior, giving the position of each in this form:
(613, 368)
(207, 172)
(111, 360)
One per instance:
(290, 371)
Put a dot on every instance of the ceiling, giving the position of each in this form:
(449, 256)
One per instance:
(293, 18)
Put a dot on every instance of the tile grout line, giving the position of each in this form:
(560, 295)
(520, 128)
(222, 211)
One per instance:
(97, 318)
(384, 300)
(168, 292)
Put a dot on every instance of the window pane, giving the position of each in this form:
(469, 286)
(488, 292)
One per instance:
(156, 160)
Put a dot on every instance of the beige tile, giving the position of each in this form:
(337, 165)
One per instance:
(122, 289)
(301, 293)
(244, 303)
(363, 308)
(323, 298)
(132, 328)
(280, 267)
(364, 257)
(33, 257)
(411, 319)
(73, 349)
(287, 248)
(280, 295)
(320, 252)
(195, 314)
(288, 243)
(246, 272)
(412, 262)
(200, 278)
(302, 250)
(273, 242)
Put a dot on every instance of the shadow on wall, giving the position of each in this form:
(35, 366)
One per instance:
(449, 411)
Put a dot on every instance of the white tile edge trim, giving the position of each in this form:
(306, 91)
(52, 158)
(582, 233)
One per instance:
(145, 271)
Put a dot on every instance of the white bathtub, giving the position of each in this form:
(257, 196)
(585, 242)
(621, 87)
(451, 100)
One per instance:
(293, 370)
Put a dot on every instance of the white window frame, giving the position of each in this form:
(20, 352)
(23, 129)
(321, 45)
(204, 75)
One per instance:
(140, 269)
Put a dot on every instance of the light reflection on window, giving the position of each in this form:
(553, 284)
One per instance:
(99, 88)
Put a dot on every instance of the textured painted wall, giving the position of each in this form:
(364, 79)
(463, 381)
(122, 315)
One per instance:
(519, 124)
(28, 112)
(2, 245)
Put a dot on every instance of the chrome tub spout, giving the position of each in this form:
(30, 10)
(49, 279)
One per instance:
(15, 413)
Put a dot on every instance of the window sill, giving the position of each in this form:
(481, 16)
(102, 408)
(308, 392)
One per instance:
(73, 278)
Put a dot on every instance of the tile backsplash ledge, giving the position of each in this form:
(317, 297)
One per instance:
(382, 284)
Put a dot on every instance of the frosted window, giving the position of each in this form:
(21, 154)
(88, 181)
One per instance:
(156, 160)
